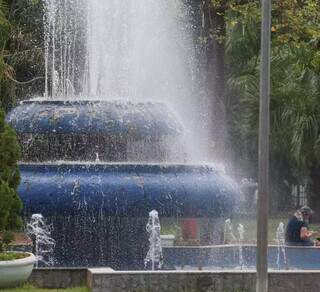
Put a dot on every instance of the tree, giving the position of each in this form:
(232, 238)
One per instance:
(295, 68)
(21, 51)
(214, 38)
(216, 14)
(5, 70)
(10, 203)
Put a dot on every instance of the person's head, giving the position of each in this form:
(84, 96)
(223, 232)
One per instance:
(306, 212)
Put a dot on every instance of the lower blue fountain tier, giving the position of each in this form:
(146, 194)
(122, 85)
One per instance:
(126, 189)
(99, 211)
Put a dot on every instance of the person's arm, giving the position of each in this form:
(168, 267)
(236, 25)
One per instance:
(305, 233)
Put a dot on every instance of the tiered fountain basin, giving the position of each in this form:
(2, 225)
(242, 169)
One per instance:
(91, 130)
(125, 189)
(129, 160)
(227, 257)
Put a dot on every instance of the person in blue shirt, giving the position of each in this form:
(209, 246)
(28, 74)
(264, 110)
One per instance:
(297, 233)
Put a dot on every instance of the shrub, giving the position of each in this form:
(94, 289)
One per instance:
(10, 203)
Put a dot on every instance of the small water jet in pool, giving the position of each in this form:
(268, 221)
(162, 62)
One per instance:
(240, 242)
(154, 255)
(281, 245)
(229, 236)
(44, 244)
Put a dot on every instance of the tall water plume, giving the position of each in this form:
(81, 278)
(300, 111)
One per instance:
(65, 48)
(133, 49)
(128, 49)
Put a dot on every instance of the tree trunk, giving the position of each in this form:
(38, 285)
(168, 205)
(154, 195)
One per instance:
(215, 29)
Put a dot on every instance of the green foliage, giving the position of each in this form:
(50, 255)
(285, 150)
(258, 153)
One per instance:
(6, 238)
(9, 154)
(10, 203)
(21, 50)
(295, 78)
(9, 256)
(4, 23)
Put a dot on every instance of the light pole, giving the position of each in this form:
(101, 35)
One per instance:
(264, 130)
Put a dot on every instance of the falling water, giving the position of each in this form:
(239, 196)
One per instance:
(154, 255)
(133, 49)
(281, 245)
(128, 49)
(241, 237)
(229, 236)
(65, 33)
(40, 232)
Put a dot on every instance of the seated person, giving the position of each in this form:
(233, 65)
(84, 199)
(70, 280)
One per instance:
(297, 233)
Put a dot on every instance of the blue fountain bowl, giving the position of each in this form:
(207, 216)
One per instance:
(140, 119)
(86, 130)
(126, 189)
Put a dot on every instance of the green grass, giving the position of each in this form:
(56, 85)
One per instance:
(9, 256)
(250, 228)
(28, 288)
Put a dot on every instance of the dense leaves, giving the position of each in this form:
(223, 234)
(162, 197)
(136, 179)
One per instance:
(21, 50)
(9, 256)
(295, 97)
(10, 203)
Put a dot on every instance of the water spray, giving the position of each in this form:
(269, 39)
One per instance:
(281, 245)
(154, 255)
(241, 238)
(44, 244)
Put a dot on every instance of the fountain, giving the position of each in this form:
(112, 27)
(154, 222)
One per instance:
(229, 236)
(117, 132)
(240, 242)
(154, 255)
(104, 203)
(40, 233)
(281, 245)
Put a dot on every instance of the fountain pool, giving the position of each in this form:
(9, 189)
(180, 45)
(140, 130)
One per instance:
(226, 257)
